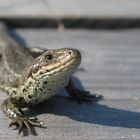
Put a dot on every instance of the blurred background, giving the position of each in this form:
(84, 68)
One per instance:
(101, 14)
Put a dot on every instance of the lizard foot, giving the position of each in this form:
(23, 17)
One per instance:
(12, 108)
(80, 95)
(27, 122)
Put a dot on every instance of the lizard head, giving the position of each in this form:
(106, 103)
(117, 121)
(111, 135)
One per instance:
(53, 61)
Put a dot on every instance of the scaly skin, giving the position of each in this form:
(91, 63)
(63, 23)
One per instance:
(30, 81)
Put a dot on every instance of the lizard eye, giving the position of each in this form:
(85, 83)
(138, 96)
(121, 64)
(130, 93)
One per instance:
(48, 57)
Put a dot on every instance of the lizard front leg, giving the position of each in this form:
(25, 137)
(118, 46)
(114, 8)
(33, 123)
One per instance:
(12, 108)
(81, 95)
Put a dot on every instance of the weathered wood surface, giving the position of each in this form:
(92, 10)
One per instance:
(70, 8)
(111, 60)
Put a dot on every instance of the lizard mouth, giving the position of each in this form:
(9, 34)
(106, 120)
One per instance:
(72, 64)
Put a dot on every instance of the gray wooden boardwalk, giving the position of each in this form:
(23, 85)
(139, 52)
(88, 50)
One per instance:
(111, 60)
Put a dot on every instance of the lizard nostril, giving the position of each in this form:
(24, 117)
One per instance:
(70, 52)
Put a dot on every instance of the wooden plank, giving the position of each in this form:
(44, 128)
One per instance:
(111, 60)
(70, 8)
(112, 119)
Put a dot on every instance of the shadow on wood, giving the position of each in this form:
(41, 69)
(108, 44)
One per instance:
(89, 112)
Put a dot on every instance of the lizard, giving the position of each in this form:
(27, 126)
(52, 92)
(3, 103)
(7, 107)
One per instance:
(30, 77)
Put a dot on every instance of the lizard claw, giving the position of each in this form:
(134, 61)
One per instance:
(80, 95)
(12, 110)
(27, 122)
